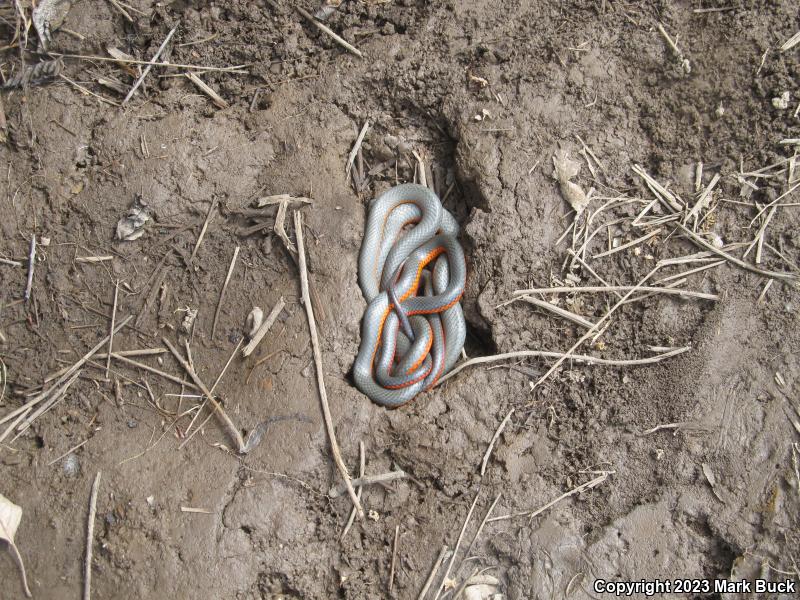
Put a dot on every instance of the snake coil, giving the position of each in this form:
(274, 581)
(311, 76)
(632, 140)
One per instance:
(413, 329)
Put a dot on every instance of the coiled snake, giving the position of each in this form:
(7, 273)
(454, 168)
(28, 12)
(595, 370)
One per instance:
(413, 329)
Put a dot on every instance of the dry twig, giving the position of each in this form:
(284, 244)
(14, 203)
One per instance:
(150, 66)
(394, 557)
(87, 567)
(483, 523)
(458, 544)
(68, 452)
(323, 395)
(495, 437)
(791, 42)
(31, 265)
(203, 229)
(328, 31)
(59, 383)
(111, 331)
(264, 328)
(227, 424)
(356, 147)
(218, 100)
(93, 259)
(682, 61)
(432, 575)
(362, 468)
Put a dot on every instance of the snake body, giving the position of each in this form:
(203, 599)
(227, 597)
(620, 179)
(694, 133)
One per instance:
(407, 344)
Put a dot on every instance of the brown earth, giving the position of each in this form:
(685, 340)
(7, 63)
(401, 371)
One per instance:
(544, 73)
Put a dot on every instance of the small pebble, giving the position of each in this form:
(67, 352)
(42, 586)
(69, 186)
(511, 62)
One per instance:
(782, 102)
(71, 466)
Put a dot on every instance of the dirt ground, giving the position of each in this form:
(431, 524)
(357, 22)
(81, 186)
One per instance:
(487, 93)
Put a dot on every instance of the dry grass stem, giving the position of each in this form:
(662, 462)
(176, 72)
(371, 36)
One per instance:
(86, 91)
(238, 69)
(593, 330)
(704, 199)
(670, 200)
(557, 310)
(586, 266)
(763, 295)
(122, 10)
(630, 244)
(590, 360)
(680, 426)
(684, 274)
(783, 276)
(493, 441)
(222, 291)
(54, 399)
(60, 381)
(213, 387)
(606, 288)
(122, 358)
(576, 490)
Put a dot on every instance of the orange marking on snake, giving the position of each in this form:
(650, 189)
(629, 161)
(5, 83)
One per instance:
(433, 254)
(417, 364)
